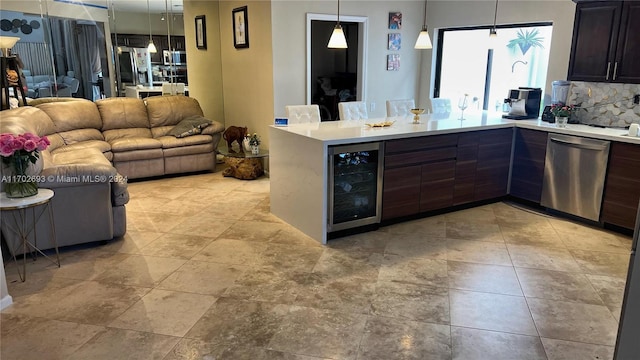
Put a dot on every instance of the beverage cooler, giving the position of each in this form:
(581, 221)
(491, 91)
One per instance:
(355, 185)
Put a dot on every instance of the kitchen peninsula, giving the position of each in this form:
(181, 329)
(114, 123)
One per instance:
(483, 142)
(142, 92)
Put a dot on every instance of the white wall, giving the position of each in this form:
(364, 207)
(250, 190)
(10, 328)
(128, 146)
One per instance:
(441, 14)
(289, 46)
(138, 23)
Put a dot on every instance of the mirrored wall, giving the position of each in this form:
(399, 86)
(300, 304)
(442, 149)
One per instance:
(94, 48)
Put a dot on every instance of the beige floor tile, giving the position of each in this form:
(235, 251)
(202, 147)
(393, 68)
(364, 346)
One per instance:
(131, 242)
(283, 257)
(125, 344)
(513, 214)
(483, 278)
(557, 285)
(87, 267)
(229, 209)
(412, 302)
(342, 263)
(576, 236)
(320, 333)
(154, 222)
(352, 295)
(37, 283)
(145, 271)
(431, 272)
(239, 323)
(176, 246)
(491, 312)
(601, 263)
(373, 241)
(562, 320)
(267, 284)
(25, 337)
(490, 345)
(416, 246)
(428, 228)
(386, 338)
(261, 212)
(292, 236)
(478, 252)
(543, 257)
(232, 251)
(610, 289)
(481, 214)
(532, 233)
(253, 230)
(87, 302)
(478, 231)
(615, 311)
(200, 277)
(191, 349)
(202, 225)
(568, 350)
(165, 312)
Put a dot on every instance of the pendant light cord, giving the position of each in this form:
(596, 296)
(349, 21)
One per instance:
(149, 14)
(338, 12)
(424, 22)
(495, 16)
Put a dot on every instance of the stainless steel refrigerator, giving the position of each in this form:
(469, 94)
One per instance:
(134, 67)
(628, 342)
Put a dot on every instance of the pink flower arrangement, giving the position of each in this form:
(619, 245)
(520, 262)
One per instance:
(562, 110)
(20, 150)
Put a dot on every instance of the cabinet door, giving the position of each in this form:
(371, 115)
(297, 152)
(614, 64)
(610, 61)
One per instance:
(528, 164)
(626, 68)
(622, 186)
(401, 192)
(492, 168)
(436, 190)
(595, 34)
(466, 163)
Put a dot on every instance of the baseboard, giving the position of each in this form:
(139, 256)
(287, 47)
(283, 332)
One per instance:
(6, 302)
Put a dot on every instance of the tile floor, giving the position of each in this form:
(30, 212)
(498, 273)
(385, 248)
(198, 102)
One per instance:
(206, 272)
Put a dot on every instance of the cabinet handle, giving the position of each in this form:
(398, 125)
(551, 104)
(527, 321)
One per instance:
(608, 68)
(615, 70)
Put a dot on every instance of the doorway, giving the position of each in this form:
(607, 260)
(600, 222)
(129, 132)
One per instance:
(335, 75)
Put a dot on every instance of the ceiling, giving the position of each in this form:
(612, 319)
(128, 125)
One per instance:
(155, 6)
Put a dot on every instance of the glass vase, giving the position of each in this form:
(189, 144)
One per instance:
(21, 189)
(255, 150)
(561, 121)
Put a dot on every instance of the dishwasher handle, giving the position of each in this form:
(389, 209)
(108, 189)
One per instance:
(601, 147)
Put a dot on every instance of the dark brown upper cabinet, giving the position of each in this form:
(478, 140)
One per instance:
(606, 42)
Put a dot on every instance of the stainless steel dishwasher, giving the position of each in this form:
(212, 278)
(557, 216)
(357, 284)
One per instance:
(574, 173)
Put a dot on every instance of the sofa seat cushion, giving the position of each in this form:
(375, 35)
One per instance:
(189, 150)
(112, 135)
(133, 144)
(71, 168)
(103, 146)
(135, 155)
(172, 142)
(78, 135)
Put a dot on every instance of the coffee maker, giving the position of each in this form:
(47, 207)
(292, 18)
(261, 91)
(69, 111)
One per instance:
(524, 103)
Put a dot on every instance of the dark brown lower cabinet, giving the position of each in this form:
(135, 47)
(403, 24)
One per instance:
(401, 194)
(436, 189)
(622, 187)
(494, 159)
(527, 172)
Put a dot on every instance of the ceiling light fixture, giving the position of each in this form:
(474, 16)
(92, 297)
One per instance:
(152, 47)
(493, 34)
(423, 41)
(337, 40)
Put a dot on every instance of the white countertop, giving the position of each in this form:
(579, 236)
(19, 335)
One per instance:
(151, 88)
(356, 131)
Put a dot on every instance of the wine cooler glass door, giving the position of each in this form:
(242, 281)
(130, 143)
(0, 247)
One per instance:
(355, 185)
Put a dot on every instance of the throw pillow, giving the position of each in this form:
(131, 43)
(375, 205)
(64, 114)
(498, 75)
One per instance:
(192, 125)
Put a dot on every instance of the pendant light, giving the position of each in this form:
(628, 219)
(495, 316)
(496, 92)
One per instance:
(423, 41)
(152, 47)
(493, 34)
(337, 40)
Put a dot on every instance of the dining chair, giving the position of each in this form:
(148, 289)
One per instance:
(352, 110)
(400, 107)
(299, 114)
(441, 105)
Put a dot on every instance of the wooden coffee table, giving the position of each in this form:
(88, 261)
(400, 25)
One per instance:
(243, 165)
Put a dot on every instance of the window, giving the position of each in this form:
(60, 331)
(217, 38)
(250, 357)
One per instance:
(466, 65)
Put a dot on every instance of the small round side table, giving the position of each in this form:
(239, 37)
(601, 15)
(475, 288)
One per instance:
(19, 226)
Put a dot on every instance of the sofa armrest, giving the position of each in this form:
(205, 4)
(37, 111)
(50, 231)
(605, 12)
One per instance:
(215, 128)
(67, 175)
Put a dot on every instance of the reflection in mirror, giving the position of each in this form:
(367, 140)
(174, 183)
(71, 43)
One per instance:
(60, 57)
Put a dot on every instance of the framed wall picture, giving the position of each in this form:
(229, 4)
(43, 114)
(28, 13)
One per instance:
(393, 62)
(395, 41)
(240, 28)
(201, 32)
(395, 20)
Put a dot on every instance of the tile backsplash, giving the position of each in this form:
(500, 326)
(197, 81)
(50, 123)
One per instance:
(605, 104)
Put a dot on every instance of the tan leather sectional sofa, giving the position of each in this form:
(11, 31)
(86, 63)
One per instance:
(96, 147)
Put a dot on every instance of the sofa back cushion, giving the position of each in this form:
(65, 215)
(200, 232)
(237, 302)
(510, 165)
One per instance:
(170, 110)
(123, 118)
(30, 119)
(75, 121)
